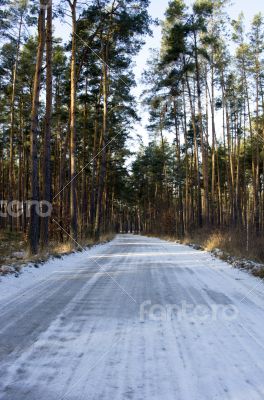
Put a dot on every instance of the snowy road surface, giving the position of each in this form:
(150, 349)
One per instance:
(139, 318)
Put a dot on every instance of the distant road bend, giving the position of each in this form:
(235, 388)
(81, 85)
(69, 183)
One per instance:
(146, 320)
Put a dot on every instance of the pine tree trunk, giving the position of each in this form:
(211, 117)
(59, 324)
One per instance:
(200, 118)
(73, 199)
(101, 183)
(12, 122)
(196, 158)
(34, 217)
(47, 135)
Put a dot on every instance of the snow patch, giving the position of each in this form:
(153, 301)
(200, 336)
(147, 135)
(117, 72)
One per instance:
(16, 279)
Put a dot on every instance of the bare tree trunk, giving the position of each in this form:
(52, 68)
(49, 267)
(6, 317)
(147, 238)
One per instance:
(104, 143)
(34, 218)
(47, 136)
(200, 117)
(212, 107)
(12, 122)
(257, 167)
(179, 177)
(187, 214)
(73, 200)
(196, 157)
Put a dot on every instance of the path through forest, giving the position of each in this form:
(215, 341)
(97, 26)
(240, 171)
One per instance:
(145, 319)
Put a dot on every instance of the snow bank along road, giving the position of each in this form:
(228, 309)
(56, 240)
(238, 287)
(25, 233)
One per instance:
(138, 318)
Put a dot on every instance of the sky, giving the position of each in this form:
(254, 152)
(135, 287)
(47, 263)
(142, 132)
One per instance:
(157, 10)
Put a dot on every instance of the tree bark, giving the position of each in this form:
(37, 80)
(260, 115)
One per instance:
(12, 122)
(34, 217)
(73, 199)
(47, 134)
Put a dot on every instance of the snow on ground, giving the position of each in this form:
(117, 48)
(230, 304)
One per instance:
(11, 286)
(146, 320)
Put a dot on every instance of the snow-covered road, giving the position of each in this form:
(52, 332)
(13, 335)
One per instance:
(138, 318)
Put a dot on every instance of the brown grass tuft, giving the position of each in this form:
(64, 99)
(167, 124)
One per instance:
(232, 242)
(15, 242)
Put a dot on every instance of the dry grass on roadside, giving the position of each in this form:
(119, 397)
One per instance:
(13, 250)
(60, 249)
(10, 242)
(231, 242)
